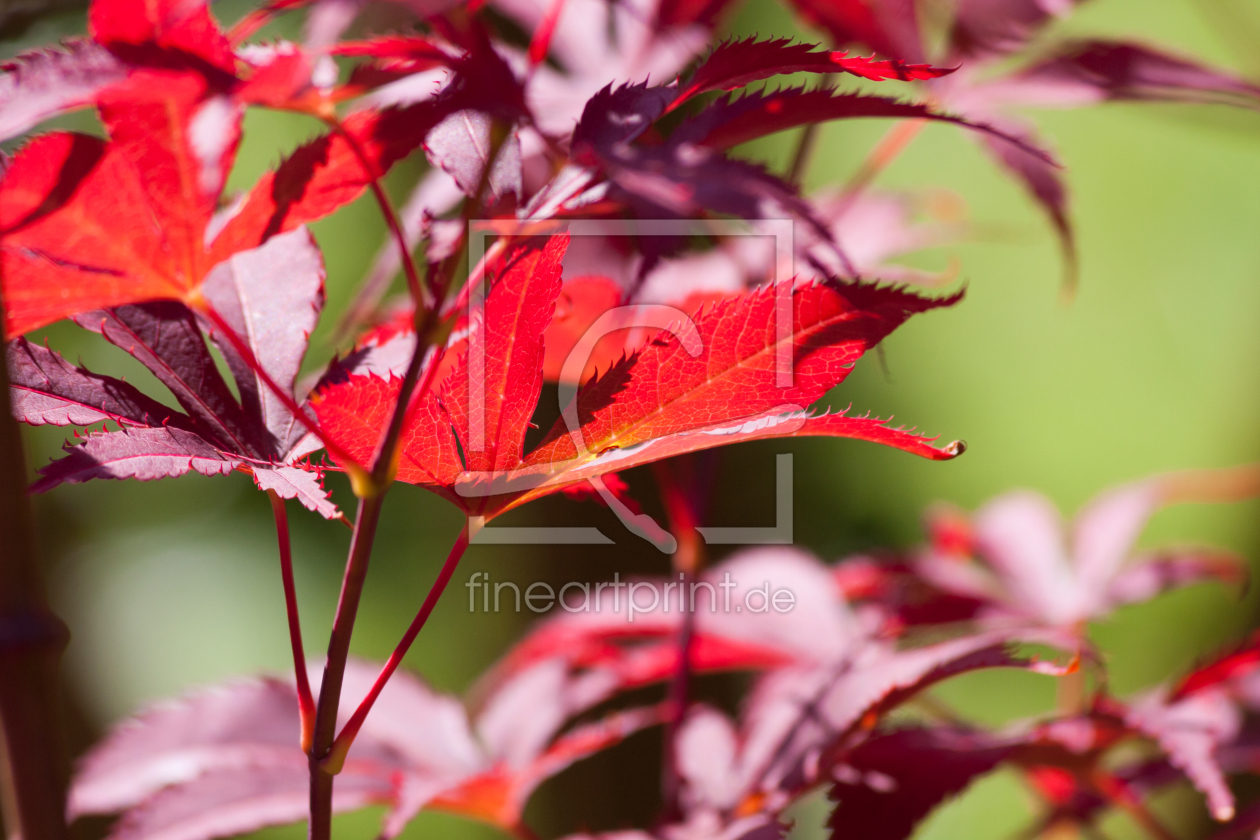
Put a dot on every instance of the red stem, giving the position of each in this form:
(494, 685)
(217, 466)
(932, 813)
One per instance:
(541, 43)
(306, 700)
(341, 746)
(420, 294)
(258, 18)
(681, 508)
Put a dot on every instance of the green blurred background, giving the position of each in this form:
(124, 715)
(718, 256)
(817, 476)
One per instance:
(1152, 367)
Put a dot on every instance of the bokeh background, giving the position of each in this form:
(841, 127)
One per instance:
(1153, 366)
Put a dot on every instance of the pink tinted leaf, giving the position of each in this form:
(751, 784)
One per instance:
(707, 752)
(522, 714)
(226, 727)
(227, 759)
(995, 27)
(499, 795)
(460, 145)
(245, 799)
(795, 712)
(41, 84)
(428, 729)
(1105, 531)
(734, 64)
(165, 338)
(142, 454)
(888, 784)
(45, 388)
(1146, 578)
(304, 485)
(271, 296)
(1122, 71)
(1189, 731)
(1020, 536)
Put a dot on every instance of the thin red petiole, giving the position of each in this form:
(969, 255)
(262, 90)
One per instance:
(306, 700)
(680, 494)
(420, 294)
(260, 17)
(541, 43)
(337, 754)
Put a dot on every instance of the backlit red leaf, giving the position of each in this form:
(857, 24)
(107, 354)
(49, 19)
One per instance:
(503, 362)
(323, 175)
(734, 64)
(184, 26)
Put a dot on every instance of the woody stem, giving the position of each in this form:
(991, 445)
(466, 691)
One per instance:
(321, 787)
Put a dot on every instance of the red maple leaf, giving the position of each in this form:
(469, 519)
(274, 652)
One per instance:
(720, 378)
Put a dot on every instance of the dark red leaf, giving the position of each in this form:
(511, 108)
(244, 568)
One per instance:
(619, 115)
(47, 389)
(730, 122)
(1121, 71)
(888, 784)
(165, 338)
